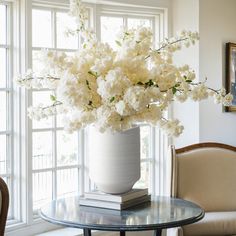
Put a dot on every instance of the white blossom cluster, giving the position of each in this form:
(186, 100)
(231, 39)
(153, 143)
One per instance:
(117, 89)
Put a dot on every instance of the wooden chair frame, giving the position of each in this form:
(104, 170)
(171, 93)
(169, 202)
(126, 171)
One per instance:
(5, 206)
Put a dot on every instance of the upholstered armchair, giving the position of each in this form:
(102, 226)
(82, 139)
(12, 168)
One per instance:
(4, 204)
(205, 173)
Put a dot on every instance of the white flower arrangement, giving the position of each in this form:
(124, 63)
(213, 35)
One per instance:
(116, 89)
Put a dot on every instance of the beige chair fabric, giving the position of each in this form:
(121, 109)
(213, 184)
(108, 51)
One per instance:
(214, 223)
(206, 174)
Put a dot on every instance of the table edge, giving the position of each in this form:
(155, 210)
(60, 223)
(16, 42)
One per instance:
(122, 228)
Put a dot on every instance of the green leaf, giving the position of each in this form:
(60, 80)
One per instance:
(112, 99)
(87, 82)
(53, 98)
(118, 43)
(90, 103)
(149, 83)
(188, 80)
(140, 83)
(92, 73)
(174, 90)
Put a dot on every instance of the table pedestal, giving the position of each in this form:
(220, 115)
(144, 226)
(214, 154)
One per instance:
(87, 232)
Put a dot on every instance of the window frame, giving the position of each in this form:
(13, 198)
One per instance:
(53, 128)
(25, 223)
(156, 161)
(8, 89)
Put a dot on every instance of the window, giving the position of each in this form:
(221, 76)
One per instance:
(55, 154)
(6, 106)
(50, 159)
(152, 169)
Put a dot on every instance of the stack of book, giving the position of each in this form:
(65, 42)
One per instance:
(116, 202)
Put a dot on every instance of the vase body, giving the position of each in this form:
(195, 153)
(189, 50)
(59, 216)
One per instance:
(114, 160)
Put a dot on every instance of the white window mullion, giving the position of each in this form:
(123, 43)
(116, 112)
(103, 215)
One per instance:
(52, 48)
(54, 29)
(95, 21)
(80, 156)
(4, 46)
(7, 91)
(16, 119)
(54, 174)
(125, 22)
(54, 170)
(6, 175)
(27, 54)
(153, 162)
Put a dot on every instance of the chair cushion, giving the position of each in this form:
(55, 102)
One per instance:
(214, 223)
(207, 177)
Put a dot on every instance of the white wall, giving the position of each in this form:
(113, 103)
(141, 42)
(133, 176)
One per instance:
(185, 16)
(217, 26)
(215, 21)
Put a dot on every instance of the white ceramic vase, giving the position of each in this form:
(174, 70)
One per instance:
(114, 160)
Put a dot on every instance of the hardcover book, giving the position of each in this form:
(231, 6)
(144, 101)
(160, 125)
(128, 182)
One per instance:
(114, 205)
(119, 198)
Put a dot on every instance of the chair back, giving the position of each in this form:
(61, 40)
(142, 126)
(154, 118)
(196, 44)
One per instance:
(205, 173)
(4, 204)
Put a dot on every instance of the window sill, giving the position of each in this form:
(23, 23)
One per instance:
(63, 232)
(23, 229)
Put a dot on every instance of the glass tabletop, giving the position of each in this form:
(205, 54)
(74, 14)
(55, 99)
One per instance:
(160, 213)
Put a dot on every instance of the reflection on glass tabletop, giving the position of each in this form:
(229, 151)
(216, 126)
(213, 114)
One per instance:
(161, 212)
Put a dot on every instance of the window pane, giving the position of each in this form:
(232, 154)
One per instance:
(37, 65)
(42, 188)
(3, 114)
(43, 98)
(2, 154)
(60, 119)
(42, 150)
(41, 28)
(135, 23)
(110, 27)
(145, 135)
(145, 180)
(3, 67)
(67, 148)
(3, 24)
(145, 141)
(65, 22)
(67, 182)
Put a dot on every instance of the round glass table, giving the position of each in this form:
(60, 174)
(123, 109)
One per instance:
(160, 213)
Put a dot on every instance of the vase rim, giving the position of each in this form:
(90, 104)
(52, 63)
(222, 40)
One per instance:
(113, 131)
